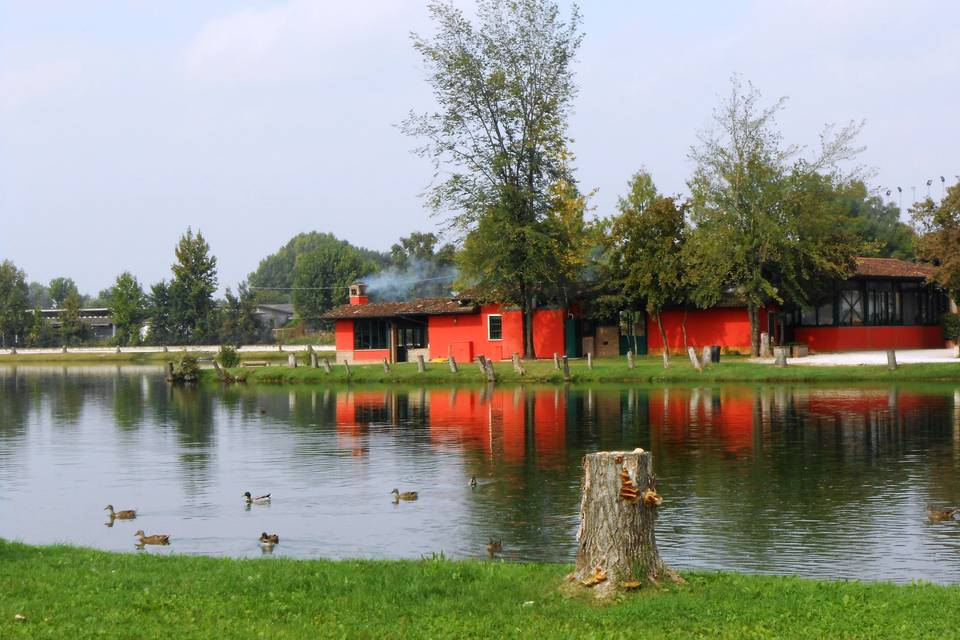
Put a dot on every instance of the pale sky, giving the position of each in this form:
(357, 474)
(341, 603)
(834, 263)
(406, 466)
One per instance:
(121, 123)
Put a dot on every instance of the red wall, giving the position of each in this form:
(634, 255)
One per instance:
(866, 338)
(548, 336)
(464, 336)
(728, 328)
(344, 342)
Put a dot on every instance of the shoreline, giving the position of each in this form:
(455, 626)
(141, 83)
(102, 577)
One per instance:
(64, 591)
(648, 370)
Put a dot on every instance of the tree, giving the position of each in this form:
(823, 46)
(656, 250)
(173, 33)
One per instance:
(419, 268)
(13, 302)
(744, 178)
(878, 224)
(39, 295)
(273, 279)
(160, 329)
(239, 324)
(939, 241)
(645, 249)
(192, 311)
(60, 288)
(505, 89)
(128, 307)
(38, 335)
(73, 330)
(322, 277)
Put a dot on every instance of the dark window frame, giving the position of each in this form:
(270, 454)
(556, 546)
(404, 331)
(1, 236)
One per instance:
(371, 334)
(499, 318)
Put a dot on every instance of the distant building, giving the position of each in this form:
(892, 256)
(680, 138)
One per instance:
(97, 319)
(274, 315)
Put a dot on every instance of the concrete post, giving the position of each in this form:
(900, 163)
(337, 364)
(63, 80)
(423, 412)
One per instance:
(421, 365)
(630, 362)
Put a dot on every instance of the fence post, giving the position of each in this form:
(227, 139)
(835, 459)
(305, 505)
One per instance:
(453, 364)
(421, 365)
(630, 361)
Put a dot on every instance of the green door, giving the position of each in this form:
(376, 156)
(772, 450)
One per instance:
(572, 337)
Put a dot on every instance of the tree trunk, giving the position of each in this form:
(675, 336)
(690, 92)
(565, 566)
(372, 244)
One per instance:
(754, 313)
(616, 545)
(528, 304)
(683, 327)
(663, 339)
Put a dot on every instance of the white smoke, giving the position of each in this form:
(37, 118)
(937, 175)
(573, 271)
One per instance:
(419, 279)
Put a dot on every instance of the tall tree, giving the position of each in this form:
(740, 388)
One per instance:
(504, 87)
(13, 303)
(73, 329)
(321, 278)
(192, 310)
(38, 333)
(39, 295)
(160, 329)
(744, 178)
(939, 240)
(239, 324)
(128, 307)
(877, 224)
(60, 288)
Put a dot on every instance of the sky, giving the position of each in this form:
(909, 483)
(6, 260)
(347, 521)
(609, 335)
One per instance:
(123, 123)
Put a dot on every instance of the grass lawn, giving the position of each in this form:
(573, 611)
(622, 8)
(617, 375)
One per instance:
(68, 592)
(647, 370)
(126, 357)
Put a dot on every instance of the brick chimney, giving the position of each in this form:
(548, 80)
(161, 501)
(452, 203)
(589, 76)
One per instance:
(358, 293)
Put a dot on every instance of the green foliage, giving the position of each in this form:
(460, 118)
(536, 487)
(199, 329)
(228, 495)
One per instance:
(186, 368)
(238, 321)
(192, 312)
(73, 330)
(322, 276)
(877, 224)
(504, 88)
(39, 295)
(279, 269)
(60, 289)
(767, 221)
(939, 241)
(951, 327)
(160, 330)
(39, 334)
(228, 356)
(128, 307)
(419, 268)
(13, 302)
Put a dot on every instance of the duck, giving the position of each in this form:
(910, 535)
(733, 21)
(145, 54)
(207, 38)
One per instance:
(154, 539)
(940, 515)
(128, 514)
(269, 539)
(249, 499)
(494, 546)
(473, 482)
(406, 495)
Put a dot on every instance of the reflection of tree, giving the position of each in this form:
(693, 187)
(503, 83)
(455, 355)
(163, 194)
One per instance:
(17, 394)
(67, 394)
(190, 410)
(128, 400)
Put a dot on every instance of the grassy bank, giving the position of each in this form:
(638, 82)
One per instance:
(647, 370)
(66, 592)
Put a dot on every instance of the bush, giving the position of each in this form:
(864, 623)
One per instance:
(228, 357)
(951, 326)
(186, 369)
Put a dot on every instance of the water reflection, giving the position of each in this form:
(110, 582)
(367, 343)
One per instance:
(785, 479)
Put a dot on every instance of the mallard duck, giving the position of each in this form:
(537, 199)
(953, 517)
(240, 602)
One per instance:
(473, 482)
(269, 539)
(154, 539)
(495, 546)
(249, 499)
(940, 515)
(128, 514)
(406, 495)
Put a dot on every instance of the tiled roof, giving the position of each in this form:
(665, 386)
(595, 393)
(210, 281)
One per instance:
(891, 268)
(423, 306)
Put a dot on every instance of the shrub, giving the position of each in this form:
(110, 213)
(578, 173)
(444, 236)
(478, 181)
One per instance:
(228, 357)
(951, 326)
(186, 369)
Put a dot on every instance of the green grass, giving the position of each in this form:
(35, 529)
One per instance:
(647, 370)
(130, 357)
(67, 592)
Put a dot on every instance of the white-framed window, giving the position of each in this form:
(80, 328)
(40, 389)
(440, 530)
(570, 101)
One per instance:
(494, 327)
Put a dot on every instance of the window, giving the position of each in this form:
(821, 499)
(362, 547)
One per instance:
(412, 334)
(494, 327)
(372, 333)
(851, 307)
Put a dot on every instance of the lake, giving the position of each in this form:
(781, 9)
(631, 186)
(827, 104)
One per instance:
(788, 479)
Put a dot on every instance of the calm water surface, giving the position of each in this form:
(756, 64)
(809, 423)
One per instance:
(800, 480)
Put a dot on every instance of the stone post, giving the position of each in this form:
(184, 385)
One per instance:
(421, 364)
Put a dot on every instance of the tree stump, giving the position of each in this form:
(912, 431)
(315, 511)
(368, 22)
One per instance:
(386, 366)
(482, 363)
(616, 545)
(556, 362)
(326, 366)
(346, 365)
(765, 345)
(630, 361)
(891, 360)
(421, 364)
(488, 370)
(666, 358)
(780, 356)
(566, 370)
(313, 360)
(694, 360)
(589, 361)
(705, 359)
(453, 364)
(292, 360)
(517, 365)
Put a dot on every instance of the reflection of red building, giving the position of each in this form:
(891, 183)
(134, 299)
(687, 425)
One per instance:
(726, 414)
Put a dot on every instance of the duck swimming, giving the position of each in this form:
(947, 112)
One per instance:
(154, 539)
(269, 539)
(473, 482)
(128, 514)
(494, 546)
(249, 499)
(406, 495)
(940, 515)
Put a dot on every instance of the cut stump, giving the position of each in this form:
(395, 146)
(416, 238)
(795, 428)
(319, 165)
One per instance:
(616, 545)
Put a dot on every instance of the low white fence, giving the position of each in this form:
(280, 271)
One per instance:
(206, 348)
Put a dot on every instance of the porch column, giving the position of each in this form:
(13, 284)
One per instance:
(393, 341)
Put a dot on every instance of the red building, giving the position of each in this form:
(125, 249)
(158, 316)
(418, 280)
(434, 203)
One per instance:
(887, 304)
